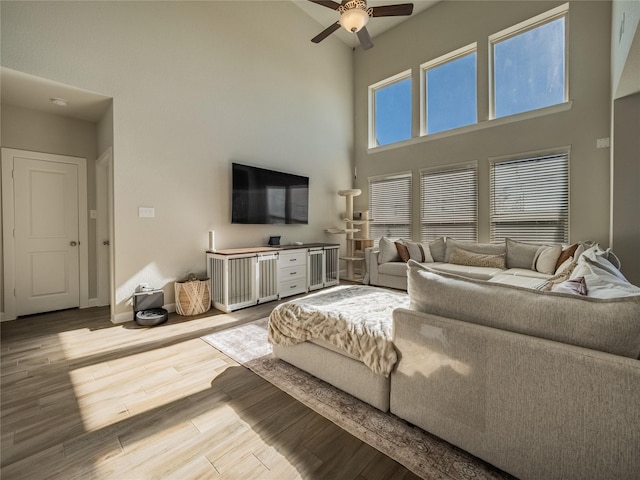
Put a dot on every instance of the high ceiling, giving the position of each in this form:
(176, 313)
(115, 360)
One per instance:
(35, 93)
(325, 17)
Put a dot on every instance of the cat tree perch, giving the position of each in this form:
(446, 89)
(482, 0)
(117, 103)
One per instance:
(353, 244)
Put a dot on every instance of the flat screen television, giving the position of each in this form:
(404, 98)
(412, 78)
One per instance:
(261, 196)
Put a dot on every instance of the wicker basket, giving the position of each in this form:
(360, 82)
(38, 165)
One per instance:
(192, 296)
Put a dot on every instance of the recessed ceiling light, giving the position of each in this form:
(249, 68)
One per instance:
(61, 102)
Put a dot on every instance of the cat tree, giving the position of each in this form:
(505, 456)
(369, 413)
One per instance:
(353, 245)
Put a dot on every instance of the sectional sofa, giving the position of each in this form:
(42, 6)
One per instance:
(511, 262)
(541, 380)
(543, 385)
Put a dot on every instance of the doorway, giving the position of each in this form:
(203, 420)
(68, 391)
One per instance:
(45, 232)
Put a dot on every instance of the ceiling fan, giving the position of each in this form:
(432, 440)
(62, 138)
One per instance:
(354, 16)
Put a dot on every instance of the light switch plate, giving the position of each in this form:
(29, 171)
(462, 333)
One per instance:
(146, 212)
(602, 142)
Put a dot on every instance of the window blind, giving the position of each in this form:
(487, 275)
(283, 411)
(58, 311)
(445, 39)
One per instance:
(530, 199)
(449, 203)
(390, 206)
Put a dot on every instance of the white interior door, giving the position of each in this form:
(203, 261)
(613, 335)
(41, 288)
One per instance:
(46, 236)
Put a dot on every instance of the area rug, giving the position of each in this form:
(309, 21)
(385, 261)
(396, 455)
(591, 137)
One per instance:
(424, 454)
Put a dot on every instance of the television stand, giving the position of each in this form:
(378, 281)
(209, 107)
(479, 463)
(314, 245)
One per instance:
(243, 277)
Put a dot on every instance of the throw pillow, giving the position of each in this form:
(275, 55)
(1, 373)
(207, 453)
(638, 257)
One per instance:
(403, 251)
(420, 252)
(388, 251)
(520, 254)
(562, 274)
(576, 286)
(609, 325)
(546, 258)
(438, 249)
(463, 257)
(566, 254)
(473, 247)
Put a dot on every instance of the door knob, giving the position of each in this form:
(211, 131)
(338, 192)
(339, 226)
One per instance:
(106, 242)
(73, 243)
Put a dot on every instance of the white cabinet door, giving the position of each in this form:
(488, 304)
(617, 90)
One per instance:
(292, 272)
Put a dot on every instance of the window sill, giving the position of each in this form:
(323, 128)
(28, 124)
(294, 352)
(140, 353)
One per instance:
(561, 107)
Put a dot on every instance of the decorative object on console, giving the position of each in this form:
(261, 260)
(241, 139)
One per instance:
(274, 240)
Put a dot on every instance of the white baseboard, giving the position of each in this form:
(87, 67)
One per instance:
(93, 302)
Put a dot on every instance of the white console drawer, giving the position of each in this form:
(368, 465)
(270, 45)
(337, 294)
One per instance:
(292, 273)
(292, 258)
(293, 287)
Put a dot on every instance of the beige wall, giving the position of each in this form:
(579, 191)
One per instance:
(451, 25)
(27, 129)
(625, 47)
(626, 185)
(195, 86)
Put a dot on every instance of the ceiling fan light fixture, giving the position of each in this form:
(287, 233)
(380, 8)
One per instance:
(354, 20)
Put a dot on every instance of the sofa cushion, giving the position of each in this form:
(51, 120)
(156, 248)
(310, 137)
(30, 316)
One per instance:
(547, 257)
(398, 269)
(438, 249)
(566, 254)
(525, 272)
(518, 280)
(464, 257)
(420, 252)
(403, 251)
(473, 247)
(480, 273)
(611, 325)
(520, 254)
(388, 251)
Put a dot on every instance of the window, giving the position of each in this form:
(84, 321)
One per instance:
(530, 199)
(449, 91)
(390, 110)
(390, 206)
(529, 64)
(449, 203)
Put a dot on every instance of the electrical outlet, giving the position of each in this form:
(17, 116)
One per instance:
(602, 142)
(146, 212)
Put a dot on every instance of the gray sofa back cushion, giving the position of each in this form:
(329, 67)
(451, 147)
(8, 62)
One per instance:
(521, 254)
(608, 325)
(473, 247)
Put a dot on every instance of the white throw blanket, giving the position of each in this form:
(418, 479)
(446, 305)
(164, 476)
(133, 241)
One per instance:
(356, 319)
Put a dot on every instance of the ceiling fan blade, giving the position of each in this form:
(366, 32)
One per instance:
(326, 32)
(393, 10)
(326, 3)
(365, 38)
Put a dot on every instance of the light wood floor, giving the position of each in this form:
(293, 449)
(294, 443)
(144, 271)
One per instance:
(85, 399)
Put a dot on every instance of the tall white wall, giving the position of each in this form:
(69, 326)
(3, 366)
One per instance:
(450, 25)
(625, 47)
(195, 86)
